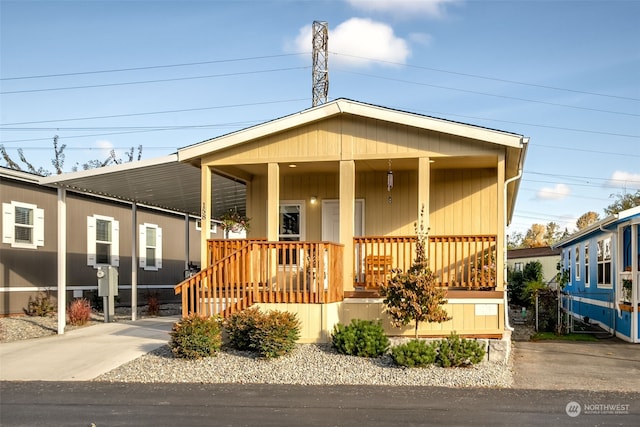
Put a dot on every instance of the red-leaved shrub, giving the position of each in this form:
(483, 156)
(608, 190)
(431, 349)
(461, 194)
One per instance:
(79, 312)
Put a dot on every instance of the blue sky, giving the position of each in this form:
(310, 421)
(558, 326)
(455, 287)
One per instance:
(108, 75)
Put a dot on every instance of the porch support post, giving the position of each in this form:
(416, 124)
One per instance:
(62, 259)
(273, 201)
(186, 243)
(501, 225)
(134, 261)
(347, 215)
(424, 184)
(205, 214)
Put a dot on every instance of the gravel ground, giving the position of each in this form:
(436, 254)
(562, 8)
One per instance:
(309, 364)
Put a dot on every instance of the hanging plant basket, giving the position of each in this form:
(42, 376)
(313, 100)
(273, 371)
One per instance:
(233, 221)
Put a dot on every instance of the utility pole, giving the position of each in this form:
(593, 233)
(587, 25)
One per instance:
(320, 72)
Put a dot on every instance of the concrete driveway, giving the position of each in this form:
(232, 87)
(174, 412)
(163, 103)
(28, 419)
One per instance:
(604, 365)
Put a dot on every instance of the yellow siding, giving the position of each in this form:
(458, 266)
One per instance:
(317, 320)
(464, 201)
(349, 138)
(464, 320)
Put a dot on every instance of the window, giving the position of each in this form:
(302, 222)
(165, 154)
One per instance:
(103, 241)
(22, 225)
(577, 269)
(586, 265)
(291, 228)
(150, 244)
(213, 227)
(604, 262)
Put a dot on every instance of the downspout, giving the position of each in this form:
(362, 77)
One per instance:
(507, 325)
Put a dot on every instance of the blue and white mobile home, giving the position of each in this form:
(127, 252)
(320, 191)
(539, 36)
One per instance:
(603, 261)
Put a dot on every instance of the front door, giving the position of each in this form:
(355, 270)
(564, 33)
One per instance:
(331, 220)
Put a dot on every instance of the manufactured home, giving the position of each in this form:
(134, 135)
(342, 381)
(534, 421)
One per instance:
(603, 265)
(333, 194)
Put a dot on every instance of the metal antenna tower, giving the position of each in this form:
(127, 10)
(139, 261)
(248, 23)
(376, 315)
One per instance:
(320, 72)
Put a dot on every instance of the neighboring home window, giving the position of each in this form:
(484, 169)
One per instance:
(604, 262)
(586, 264)
(22, 225)
(577, 270)
(519, 266)
(103, 241)
(150, 243)
(291, 228)
(213, 227)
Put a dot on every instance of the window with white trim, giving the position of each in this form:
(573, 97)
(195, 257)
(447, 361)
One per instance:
(586, 264)
(577, 269)
(103, 241)
(604, 262)
(291, 228)
(150, 246)
(22, 225)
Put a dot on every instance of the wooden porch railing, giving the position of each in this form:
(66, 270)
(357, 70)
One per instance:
(244, 272)
(463, 262)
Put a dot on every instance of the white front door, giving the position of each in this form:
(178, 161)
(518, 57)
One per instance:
(331, 220)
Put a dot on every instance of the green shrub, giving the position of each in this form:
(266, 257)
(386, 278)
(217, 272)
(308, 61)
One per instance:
(364, 338)
(240, 327)
(195, 337)
(270, 334)
(455, 351)
(414, 354)
(79, 312)
(276, 335)
(40, 305)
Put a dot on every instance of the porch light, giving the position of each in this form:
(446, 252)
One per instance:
(389, 178)
(314, 200)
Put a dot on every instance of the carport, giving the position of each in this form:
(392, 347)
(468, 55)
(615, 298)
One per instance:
(161, 183)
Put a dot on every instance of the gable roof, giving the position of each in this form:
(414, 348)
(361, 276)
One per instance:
(600, 226)
(349, 107)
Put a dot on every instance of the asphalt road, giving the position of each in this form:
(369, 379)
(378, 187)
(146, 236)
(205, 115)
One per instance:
(106, 404)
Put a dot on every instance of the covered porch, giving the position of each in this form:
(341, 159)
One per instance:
(244, 272)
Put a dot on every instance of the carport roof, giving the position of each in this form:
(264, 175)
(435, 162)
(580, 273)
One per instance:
(161, 182)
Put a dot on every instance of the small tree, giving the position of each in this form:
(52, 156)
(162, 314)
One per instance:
(414, 295)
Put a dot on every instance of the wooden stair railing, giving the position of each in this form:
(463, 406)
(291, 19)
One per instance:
(220, 289)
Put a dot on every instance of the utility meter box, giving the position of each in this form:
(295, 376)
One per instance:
(107, 281)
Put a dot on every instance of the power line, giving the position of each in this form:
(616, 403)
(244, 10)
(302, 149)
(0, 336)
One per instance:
(151, 67)
(491, 78)
(580, 177)
(531, 124)
(514, 98)
(184, 110)
(153, 81)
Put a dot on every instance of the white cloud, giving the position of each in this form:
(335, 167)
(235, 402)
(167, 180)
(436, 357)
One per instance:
(558, 192)
(405, 8)
(357, 42)
(626, 180)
